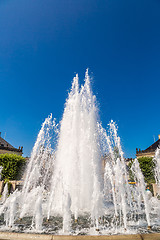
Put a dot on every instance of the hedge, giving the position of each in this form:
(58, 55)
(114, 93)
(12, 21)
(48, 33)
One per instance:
(12, 166)
(147, 167)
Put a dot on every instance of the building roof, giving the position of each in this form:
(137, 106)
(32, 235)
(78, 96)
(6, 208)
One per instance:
(4, 143)
(153, 147)
(150, 149)
(7, 146)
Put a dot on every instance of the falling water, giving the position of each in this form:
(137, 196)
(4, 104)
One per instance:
(78, 153)
(5, 193)
(157, 165)
(141, 188)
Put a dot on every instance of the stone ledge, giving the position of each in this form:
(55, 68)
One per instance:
(30, 236)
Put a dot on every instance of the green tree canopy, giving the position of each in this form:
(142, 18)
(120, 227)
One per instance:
(12, 166)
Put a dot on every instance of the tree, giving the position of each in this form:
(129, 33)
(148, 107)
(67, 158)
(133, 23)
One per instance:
(12, 166)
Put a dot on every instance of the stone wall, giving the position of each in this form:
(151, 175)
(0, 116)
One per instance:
(146, 154)
(156, 189)
(14, 185)
(3, 151)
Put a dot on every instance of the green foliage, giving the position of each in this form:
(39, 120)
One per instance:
(12, 166)
(147, 167)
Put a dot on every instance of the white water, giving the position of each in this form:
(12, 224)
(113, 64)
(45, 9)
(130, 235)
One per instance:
(141, 189)
(77, 168)
(5, 193)
(157, 165)
(65, 176)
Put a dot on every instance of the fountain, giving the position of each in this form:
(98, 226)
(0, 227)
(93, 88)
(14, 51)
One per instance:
(76, 181)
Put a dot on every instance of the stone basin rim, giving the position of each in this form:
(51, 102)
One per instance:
(35, 236)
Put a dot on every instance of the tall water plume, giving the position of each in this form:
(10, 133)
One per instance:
(77, 169)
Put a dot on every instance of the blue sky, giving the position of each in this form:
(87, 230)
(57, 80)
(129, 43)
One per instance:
(43, 43)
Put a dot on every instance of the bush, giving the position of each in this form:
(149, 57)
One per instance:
(147, 167)
(12, 166)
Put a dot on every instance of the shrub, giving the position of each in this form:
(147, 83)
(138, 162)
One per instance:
(147, 167)
(12, 166)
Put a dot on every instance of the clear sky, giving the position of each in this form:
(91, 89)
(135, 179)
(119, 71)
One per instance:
(43, 43)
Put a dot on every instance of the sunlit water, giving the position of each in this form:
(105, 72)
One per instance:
(76, 181)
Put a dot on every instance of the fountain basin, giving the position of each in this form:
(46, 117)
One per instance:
(29, 236)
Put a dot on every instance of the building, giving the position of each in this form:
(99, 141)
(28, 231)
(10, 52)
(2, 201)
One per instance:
(148, 152)
(6, 147)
